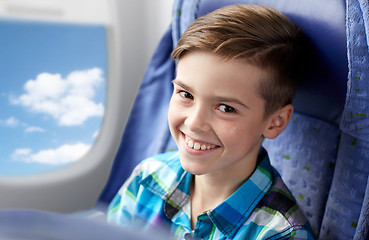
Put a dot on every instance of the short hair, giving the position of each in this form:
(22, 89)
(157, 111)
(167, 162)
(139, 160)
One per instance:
(263, 37)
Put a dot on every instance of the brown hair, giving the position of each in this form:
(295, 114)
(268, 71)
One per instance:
(261, 35)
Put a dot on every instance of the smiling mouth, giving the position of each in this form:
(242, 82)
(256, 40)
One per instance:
(197, 145)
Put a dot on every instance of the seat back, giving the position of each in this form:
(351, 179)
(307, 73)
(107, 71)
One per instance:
(323, 155)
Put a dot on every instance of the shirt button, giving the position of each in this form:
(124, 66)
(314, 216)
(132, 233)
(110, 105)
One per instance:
(188, 236)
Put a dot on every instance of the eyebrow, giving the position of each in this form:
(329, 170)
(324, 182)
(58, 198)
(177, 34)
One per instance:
(218, 98)
(182, 85)
(231, 100)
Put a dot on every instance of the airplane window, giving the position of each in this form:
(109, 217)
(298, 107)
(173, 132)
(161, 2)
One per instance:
(52, 94)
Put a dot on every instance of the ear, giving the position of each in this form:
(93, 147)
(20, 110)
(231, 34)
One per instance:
(278, 121)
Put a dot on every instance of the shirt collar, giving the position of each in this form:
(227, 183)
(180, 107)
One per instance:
(230, 215)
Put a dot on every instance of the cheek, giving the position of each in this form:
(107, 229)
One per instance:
(171, 114)
(240, 134)
(174, 115)
(229, 133)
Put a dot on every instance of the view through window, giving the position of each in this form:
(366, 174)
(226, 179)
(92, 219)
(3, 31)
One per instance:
(52, 93)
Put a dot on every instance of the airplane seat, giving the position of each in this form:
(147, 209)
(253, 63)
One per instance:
(323, 155)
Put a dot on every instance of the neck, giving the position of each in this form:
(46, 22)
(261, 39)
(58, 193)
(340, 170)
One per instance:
(211, 189)
(218, 185)
(208, 191)
(215, 189)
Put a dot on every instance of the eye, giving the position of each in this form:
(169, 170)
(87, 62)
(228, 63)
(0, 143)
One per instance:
(185, 94)
(227, 109)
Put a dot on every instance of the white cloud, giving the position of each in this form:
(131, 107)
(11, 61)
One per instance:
(14, 122)
(21, 153)
(63, 154)
(69, 101)
(32, 129)
(96, 133)
(10, 122)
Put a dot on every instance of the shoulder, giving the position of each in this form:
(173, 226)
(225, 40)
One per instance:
(156, 166)
(280, 215)
(149, 175)
(157, 174)
(159, 164)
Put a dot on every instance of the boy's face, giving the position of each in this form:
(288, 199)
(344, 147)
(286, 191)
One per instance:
(216, 115)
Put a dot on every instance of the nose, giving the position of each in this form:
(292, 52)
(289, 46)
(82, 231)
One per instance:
(198, 119)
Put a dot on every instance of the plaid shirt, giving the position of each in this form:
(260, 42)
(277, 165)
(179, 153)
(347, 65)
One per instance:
(157, 195)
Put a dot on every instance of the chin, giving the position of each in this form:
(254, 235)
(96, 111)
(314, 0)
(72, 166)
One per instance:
(192, 168)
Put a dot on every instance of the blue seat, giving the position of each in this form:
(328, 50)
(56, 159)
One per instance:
(323, 155)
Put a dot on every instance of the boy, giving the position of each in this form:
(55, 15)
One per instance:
(236, 77)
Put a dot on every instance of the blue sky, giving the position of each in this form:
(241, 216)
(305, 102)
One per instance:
(52, 93)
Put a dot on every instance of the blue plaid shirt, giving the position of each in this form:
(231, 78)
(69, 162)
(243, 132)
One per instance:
(157, 196)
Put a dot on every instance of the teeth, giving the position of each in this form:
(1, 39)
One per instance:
(190, 143)
(197, 146)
